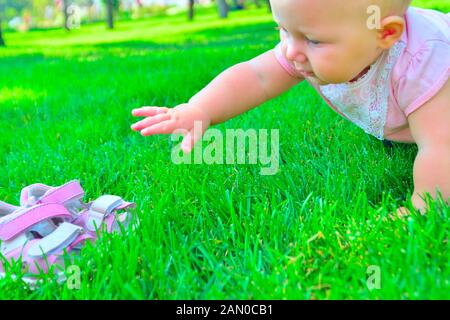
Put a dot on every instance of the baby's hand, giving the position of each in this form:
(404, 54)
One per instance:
(162, 120)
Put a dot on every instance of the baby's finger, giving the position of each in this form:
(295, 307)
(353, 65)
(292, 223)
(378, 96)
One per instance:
(148, 111)
(147, 122)
(165, 127)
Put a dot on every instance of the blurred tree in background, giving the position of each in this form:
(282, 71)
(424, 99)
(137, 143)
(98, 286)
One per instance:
(110, 13)
(2, 42)
(12, 8)
(64, 6)
(223, 8)
(22, 15)
(111, 7)
(9, 9)
(191, 10)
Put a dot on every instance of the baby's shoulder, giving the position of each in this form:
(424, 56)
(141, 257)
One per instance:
(425, 29)
(424, 65)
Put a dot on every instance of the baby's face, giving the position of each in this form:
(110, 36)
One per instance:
(326, 39)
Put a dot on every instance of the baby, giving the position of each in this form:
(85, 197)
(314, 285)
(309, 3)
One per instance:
(379, 63)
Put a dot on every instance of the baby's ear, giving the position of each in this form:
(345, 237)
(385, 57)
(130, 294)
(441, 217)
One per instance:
(392, 28)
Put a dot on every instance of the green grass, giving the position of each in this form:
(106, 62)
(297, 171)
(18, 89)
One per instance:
(209, 231)
(432, 4)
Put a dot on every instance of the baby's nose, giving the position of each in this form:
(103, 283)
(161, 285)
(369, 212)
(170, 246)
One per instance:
(295, 53)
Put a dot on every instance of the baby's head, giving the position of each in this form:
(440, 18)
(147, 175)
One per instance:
(333, 41)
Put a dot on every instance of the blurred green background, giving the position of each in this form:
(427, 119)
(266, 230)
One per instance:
(23, 15)
(312, 231)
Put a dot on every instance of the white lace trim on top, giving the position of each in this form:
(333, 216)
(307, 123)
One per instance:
(365, 101)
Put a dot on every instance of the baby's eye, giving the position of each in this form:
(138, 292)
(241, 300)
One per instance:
(313, 42)
(280, 28)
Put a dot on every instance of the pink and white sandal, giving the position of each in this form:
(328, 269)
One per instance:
(37, 237)
(108, 210)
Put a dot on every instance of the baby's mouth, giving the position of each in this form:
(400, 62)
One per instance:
(306, 73)
(303, 72)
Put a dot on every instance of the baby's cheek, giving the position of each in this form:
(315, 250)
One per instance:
(326, 68)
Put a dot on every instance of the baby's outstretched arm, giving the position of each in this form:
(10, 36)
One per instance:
(430, 127)
(235, 91)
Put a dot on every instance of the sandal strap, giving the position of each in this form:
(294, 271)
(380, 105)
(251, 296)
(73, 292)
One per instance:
(101, 208)
(125, 205)
(17, 242)
(6, 208)
(62, 194)
(106, 204)
(81, 238)
(23, 219)
(61, 238)
(42, 256)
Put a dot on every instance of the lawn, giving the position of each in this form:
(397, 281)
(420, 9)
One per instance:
(317, 229)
